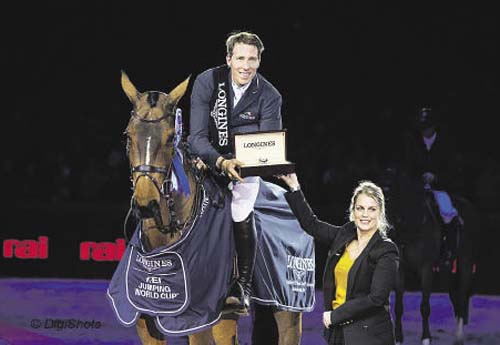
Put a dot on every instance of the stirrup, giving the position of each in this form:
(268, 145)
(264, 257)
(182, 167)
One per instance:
(237, 301)
(235, 309)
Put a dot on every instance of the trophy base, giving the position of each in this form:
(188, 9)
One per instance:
(267, 170)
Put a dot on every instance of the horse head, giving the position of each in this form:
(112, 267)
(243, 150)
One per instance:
(150, 149)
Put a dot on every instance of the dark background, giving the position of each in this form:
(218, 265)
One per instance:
(352, 75)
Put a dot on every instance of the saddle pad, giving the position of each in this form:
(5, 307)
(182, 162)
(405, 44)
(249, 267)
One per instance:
(445, 205)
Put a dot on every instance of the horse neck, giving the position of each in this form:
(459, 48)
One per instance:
(184, 204)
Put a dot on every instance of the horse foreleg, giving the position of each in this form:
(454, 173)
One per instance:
(145, 334)
(459, 334)
(467, 276)
(399, 306)
(460, 293)
(201, 338)
(265, 328)
(225, 332)
(289, 327)
(425, 306)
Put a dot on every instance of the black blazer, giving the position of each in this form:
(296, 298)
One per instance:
(364, 318)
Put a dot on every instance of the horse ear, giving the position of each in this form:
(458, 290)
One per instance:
(176, 94)
(129, 88)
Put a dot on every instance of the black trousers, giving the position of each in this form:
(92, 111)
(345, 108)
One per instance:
(338, 337)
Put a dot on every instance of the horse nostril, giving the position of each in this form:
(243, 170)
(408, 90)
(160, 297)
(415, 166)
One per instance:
(147, 211)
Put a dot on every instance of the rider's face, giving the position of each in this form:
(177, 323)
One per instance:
(244, 63)
(366, 213)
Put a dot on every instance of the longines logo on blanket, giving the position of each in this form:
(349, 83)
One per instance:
(300, 264)
(299, 267)
(219, 114)
(152, 265)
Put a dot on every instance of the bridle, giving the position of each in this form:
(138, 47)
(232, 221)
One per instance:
(164, 188)
(146, 169)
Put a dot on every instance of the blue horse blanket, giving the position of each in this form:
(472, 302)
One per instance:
(183, 286)
(284, 274)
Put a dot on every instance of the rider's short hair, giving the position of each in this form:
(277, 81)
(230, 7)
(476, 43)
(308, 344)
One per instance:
(244, 37)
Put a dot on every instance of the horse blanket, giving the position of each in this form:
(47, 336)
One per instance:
(183, 286)
(284, 274)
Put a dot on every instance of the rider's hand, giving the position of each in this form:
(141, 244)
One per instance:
(291, 181)
(200, 165)
(428, 177)
(228, 167)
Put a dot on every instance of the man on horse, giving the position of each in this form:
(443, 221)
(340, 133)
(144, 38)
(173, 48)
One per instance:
(431, 157)
(228, 99)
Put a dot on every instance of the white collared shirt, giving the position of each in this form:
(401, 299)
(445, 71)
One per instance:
(238, 91)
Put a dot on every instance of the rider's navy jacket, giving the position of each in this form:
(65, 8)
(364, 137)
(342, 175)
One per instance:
(364, 317)
(444, 160)
(259, 109)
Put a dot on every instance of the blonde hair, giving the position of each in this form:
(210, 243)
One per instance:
(370, 189)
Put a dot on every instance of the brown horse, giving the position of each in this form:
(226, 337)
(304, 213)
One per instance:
(164, 214)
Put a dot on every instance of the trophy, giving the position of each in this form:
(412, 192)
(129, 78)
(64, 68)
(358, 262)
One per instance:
(262, 153)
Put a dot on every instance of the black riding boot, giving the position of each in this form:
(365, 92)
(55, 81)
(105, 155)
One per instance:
(449, 241)
(245, 237)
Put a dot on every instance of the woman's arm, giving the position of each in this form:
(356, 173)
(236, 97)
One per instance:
(320, 230)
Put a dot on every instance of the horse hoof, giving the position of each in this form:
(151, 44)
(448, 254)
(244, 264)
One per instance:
(426, 341)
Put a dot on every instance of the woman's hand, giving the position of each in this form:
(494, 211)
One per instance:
(291, 180)
(327, 319)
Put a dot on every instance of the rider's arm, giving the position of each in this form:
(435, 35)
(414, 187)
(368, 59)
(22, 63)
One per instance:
(270, 116)
(199, 119)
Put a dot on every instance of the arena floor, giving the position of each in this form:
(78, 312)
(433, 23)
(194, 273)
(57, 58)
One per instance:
(76, 312)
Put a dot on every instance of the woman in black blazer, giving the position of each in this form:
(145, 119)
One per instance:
(361, 267)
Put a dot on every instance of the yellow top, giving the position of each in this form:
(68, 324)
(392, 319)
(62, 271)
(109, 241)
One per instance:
(341, 272)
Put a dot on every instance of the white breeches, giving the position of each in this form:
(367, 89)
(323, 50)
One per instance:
(244, 196)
